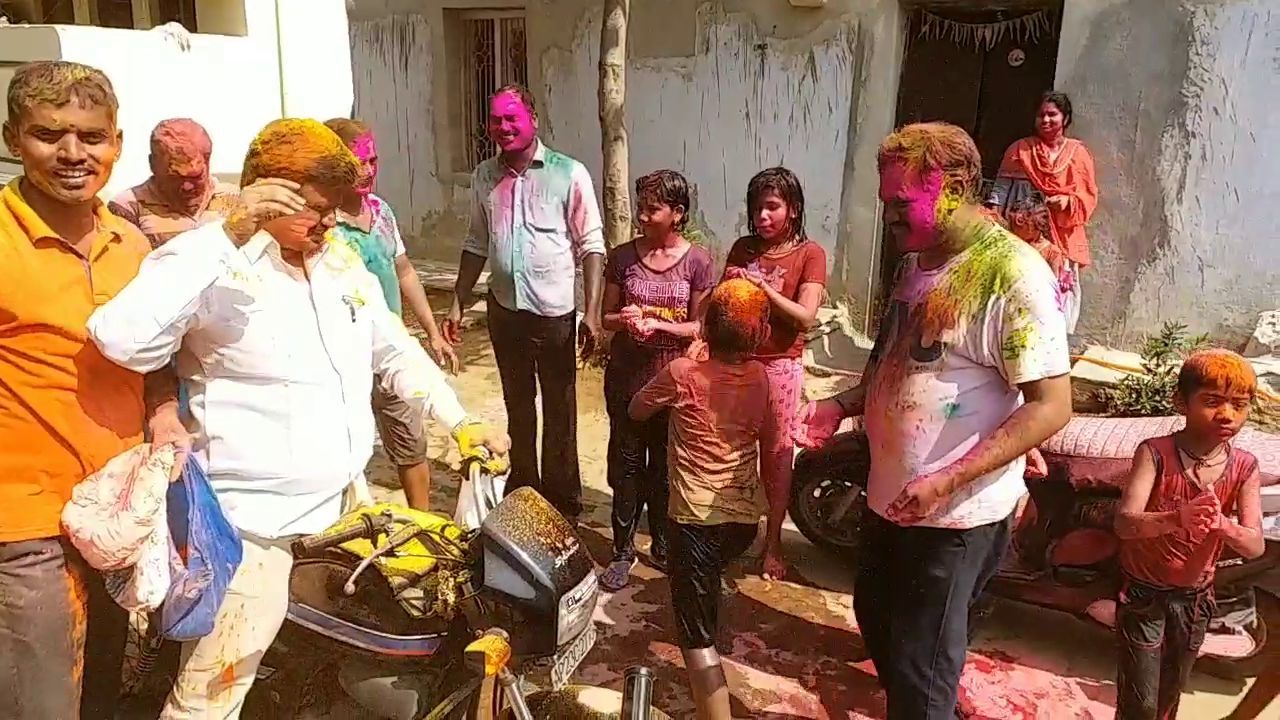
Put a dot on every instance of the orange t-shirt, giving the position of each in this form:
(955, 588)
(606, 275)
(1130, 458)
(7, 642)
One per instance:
(65, 410)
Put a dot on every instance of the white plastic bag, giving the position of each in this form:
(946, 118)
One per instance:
(115, 512)
(144, 586)
(478, 494)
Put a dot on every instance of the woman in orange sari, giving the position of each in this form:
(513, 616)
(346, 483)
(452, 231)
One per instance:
(1059, 170)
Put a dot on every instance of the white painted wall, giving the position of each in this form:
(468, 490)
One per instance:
(397, 63)
(233, 85)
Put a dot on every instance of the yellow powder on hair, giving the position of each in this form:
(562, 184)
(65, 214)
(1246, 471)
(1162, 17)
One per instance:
(301, 150)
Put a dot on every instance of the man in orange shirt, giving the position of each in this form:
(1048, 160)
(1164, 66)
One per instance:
(65, 410)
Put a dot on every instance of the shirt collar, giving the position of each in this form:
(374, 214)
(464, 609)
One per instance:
(539, 158)
(35, 226)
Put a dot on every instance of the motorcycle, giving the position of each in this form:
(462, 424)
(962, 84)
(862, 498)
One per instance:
(1063, 553)
(415, 618)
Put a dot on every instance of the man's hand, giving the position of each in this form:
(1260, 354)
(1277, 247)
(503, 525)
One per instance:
(817, 422)
(920, 498)
(589, 334)
(1201, 516)
(442, 352)
(473, 436)
(451, 326)
(1058, 202)
(260, 203)
(167, 429)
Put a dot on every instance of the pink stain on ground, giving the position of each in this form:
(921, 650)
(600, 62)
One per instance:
(793, 652)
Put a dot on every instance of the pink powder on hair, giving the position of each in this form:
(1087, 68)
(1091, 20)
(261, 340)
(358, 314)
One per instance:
(366, 151)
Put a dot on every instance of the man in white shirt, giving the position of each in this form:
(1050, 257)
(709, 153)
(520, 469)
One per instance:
(278, 334)
(969, 373)
(534, 220)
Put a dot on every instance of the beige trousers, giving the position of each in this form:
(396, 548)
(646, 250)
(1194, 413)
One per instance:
(218, 669)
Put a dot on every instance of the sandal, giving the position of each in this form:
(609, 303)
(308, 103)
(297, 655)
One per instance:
(616, 574)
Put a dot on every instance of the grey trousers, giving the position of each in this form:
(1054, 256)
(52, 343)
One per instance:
(62, 637)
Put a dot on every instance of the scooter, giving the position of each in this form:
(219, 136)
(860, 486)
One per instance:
(415, 618)
(1063, 554)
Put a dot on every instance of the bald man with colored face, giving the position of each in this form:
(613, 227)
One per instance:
(181, 193)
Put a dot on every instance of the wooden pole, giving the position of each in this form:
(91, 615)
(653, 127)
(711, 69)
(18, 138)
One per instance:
(613, 128)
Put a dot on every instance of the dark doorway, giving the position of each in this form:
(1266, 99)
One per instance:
(951, 73)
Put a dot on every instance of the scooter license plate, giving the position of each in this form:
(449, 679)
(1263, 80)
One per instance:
(572, 656)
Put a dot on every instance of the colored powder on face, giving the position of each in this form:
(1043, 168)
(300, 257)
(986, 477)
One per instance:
(366, 151)
(916, 204)
(511, 125)
(301, 150)
(1220, 370)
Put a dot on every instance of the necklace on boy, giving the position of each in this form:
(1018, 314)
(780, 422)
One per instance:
(1199, 463)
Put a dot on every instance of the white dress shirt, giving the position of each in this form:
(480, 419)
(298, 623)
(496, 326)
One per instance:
(535, 228)
(279, 370)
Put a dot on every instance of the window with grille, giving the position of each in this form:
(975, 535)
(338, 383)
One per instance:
(491, 53)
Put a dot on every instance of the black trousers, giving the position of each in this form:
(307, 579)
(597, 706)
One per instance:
(535, 352)
(912, 598)
(638, 478)
(699, 554)
(62, 637)
(1161, 632)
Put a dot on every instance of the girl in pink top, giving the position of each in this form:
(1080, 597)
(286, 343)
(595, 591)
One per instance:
(792, 270)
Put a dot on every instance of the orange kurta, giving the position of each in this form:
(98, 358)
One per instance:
(65, 410)
(1070, 174)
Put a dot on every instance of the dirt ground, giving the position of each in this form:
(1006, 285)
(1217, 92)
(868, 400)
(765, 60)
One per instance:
(791, 648)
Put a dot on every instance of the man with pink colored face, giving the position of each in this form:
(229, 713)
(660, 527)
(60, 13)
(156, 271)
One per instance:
(968, 374)
(535, 221)
(181, 193)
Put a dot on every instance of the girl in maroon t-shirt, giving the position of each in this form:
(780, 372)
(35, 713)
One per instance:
(653, 286)
(792, 270)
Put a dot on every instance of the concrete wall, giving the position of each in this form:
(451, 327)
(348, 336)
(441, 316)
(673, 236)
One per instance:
(1177, 100)
(233, 83)
(400, 63)
(1180, 103)
(716, 90)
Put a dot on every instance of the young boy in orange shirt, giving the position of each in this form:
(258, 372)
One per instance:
(1175, 518)
(719, 407)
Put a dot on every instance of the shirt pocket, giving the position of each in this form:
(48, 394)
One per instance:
(547, 216)
(549, 251)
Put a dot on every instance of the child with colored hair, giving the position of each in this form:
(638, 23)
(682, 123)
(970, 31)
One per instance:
(1028, 218)
(719, 425)
(780, 259)
(1175, 517)
(367, 225)
(653, 287)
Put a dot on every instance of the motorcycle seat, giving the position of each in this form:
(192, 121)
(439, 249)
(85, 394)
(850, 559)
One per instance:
(1095, 453)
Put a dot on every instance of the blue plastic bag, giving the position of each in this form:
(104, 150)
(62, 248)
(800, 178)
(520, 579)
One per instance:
(207, 553)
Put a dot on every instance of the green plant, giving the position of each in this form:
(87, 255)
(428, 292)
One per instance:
(1151, 394)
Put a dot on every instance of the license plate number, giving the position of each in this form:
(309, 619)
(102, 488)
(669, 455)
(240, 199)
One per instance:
(571, 657)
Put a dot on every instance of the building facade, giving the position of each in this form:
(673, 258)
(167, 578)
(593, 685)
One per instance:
(1177, 101)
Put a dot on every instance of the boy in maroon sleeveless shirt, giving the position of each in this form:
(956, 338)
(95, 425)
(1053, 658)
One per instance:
(1174, 519)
